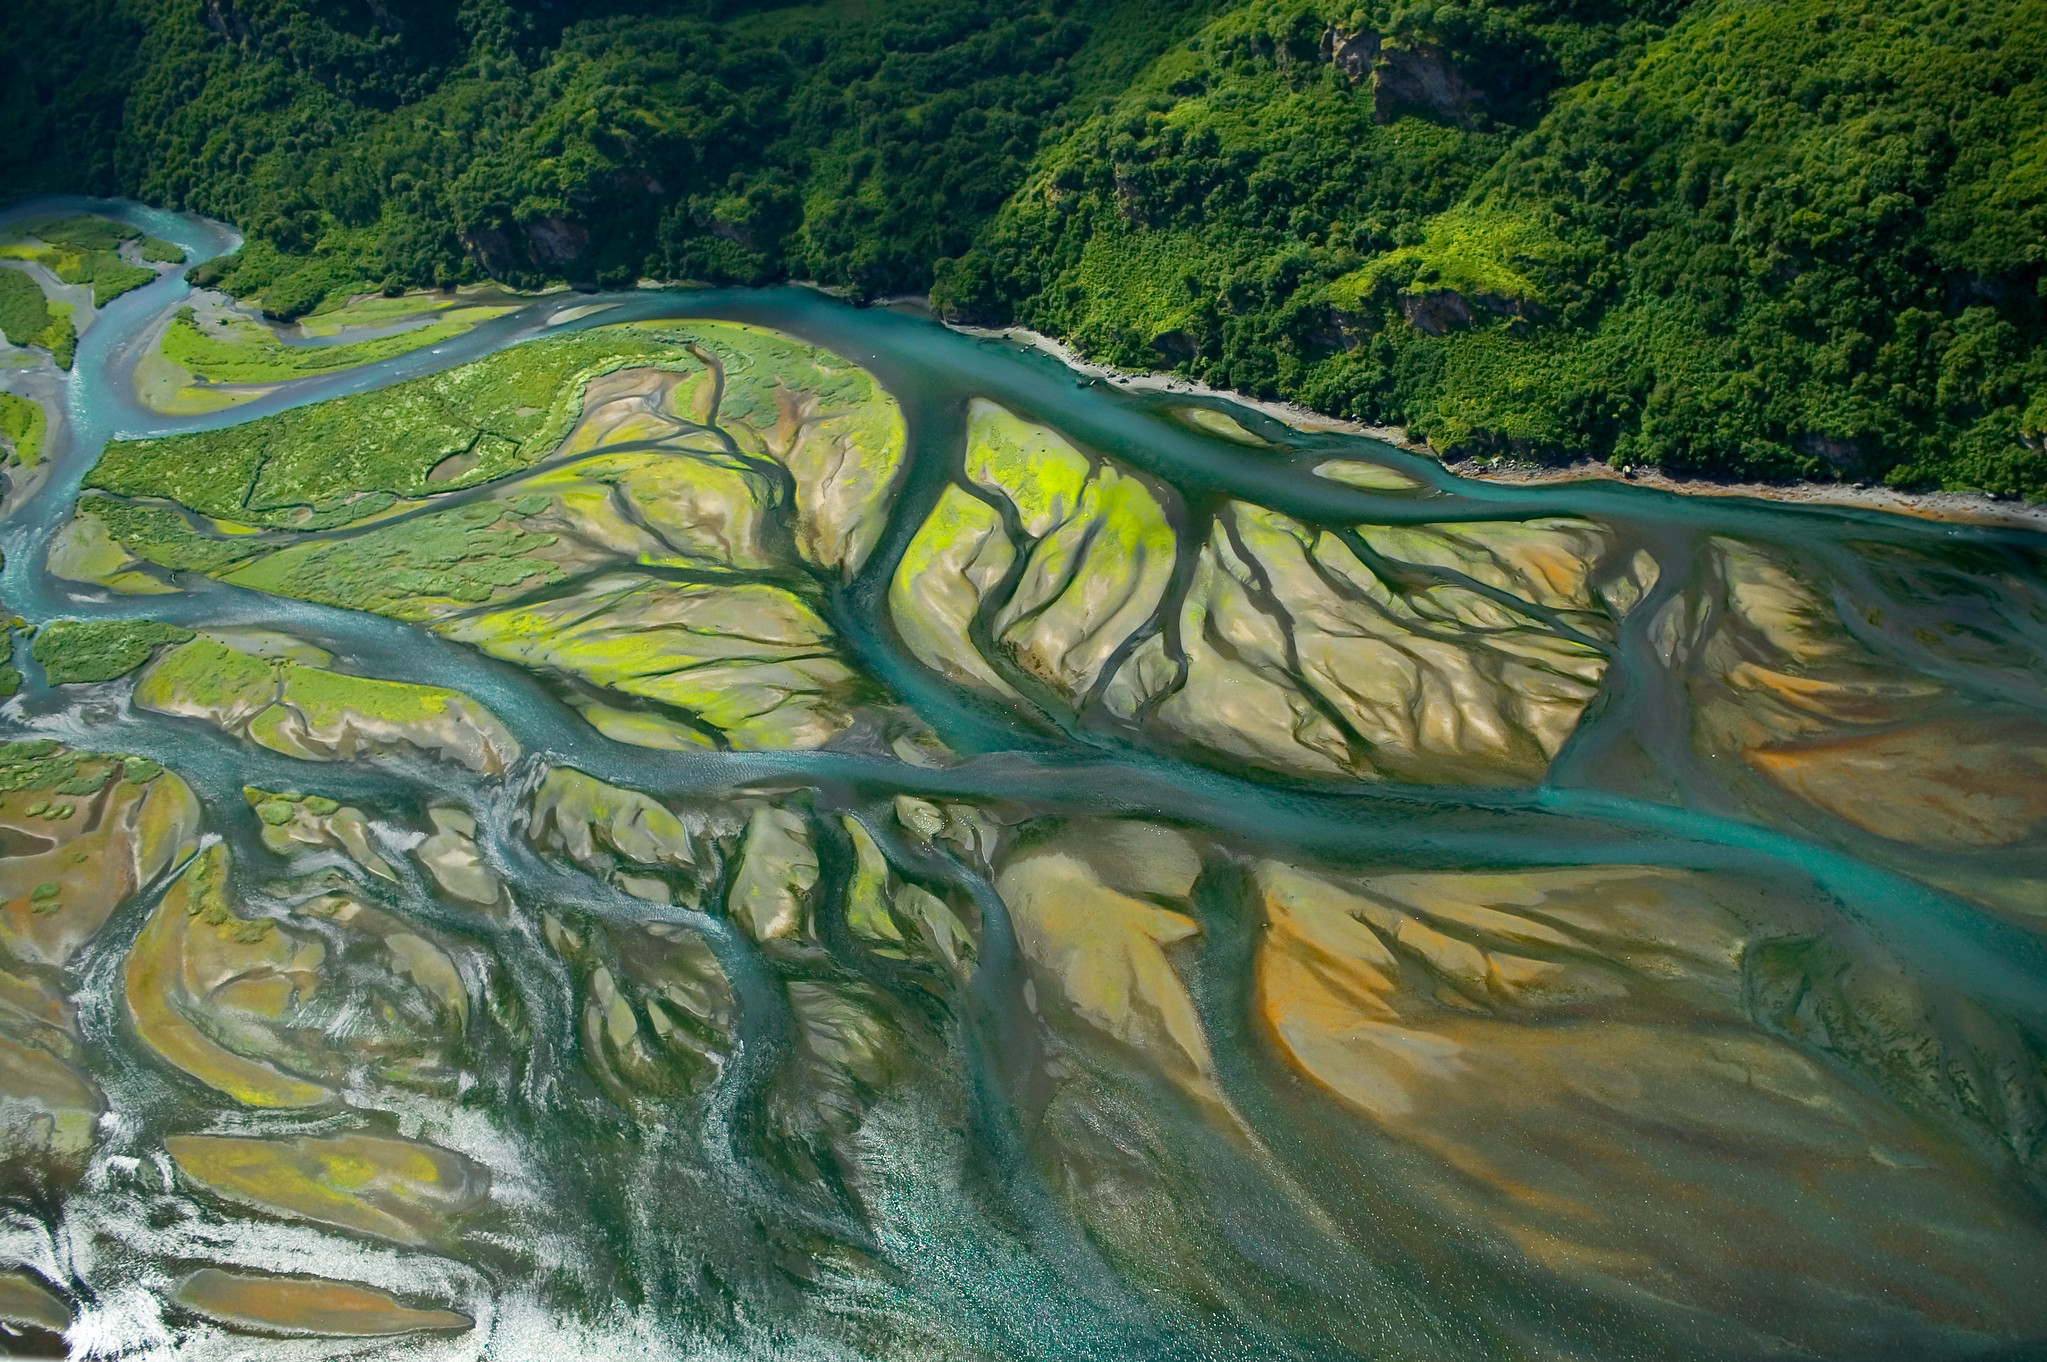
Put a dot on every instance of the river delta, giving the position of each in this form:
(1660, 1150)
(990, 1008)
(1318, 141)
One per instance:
(720, 823)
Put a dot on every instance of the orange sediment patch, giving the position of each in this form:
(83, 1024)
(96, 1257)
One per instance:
(307, 1305)
(1850, 701)
(1952, 782)
(193, 946)
(393, 1189)
(1622, 1122)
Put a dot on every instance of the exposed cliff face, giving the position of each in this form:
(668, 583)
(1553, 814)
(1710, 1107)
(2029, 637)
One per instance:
(552, 244)
(1438, 312)
(1406, 76)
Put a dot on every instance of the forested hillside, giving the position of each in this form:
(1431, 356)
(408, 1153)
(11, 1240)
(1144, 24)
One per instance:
(1798, 238)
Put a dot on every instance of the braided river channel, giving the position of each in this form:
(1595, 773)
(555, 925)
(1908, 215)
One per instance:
(720, 823)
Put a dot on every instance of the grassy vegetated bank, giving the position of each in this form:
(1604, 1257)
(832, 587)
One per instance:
(352, 458)
(1730, 238)
(28, 318)
(86, 250)
(78, 250)
(210, 674)
(665, 509)
(244, 352)
(23, 427)
(72, 652)
(306, 711)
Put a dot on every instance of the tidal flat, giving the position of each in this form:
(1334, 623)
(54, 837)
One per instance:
(702, 823)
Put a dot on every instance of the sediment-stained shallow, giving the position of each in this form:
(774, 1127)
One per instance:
(723, 824)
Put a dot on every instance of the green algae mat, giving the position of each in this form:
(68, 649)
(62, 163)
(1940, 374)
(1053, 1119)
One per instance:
(723, 824)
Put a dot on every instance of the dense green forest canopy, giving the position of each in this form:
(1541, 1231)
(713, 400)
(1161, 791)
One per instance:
(1724, 236)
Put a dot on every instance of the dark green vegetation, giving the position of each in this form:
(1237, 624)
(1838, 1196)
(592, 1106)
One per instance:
(164, 536)
(342, 461)
(24, 312)
(1731, 238)
(28, 318)
(358, 143)
(41, 764)
(75, 651)
(1794, 239)
(77, 250)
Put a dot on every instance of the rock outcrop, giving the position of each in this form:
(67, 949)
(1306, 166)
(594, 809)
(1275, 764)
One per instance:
(1407, 76)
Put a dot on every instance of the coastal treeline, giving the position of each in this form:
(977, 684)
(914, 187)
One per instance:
(1725, 237)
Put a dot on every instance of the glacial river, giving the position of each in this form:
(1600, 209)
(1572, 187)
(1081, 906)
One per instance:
(1279, 1212)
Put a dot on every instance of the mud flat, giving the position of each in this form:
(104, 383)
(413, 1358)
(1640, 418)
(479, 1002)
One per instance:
(798, 832)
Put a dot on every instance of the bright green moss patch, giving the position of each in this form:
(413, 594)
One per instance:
(1033, 464)
(506, 411)
(252, 354)
(77, 651)
(308, 712)
(1473, 251)
(324, 696)
(276, 812)
(210, 676)
(23, 427)
(60, 336)
(160, 252)
(839, 437)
